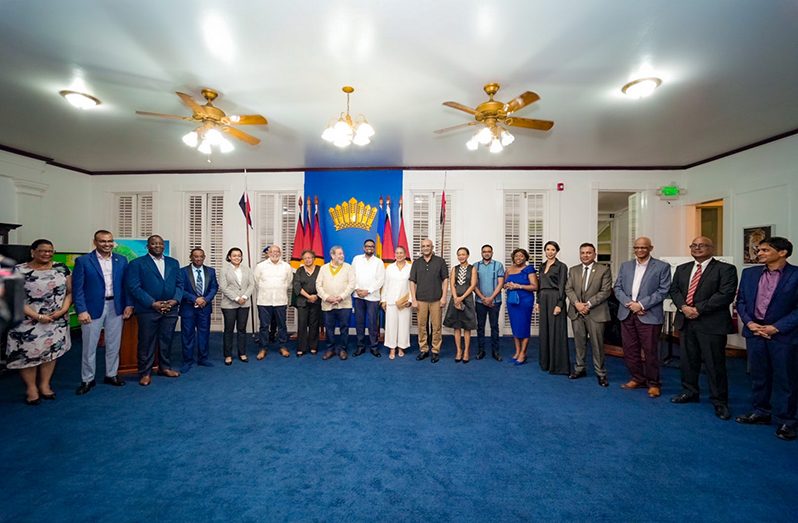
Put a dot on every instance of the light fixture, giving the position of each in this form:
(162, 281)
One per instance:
(641, 87)
(205, 137)
(80, 100)
(344, 131)
(492, 135)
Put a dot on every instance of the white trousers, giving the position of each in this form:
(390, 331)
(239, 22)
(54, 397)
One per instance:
(397, 327)
(112, 323)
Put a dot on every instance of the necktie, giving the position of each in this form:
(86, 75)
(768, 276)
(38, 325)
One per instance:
(693, 285)
(584, 277)
(200, 288)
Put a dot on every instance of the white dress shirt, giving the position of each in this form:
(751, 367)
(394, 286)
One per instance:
(107, 266)
(272, 281)
(703, 265)
(369, 275)
(161, 264)
(640, 271)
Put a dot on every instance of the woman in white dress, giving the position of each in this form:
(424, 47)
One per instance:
(396, 304)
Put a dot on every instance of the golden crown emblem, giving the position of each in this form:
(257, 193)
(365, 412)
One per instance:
(353, 214)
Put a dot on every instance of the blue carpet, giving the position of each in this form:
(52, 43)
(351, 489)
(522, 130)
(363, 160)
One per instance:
(378, 440)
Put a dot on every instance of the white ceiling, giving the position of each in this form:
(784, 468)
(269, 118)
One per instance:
(729, 70)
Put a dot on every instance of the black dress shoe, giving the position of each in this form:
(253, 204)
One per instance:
(33, 402)
(116, 381)
(435, 357)
(785, 432)
(359, 352)
(685, 398)
(722, 412)
(422, 355)
(497, 356)
(85, 387)
(375, 353)
(603, 381)
(576, 375)
(480, 354)
(752, 418)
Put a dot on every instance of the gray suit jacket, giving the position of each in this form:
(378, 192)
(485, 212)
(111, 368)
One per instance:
(653, 290)
(599, 289)
(230, 288)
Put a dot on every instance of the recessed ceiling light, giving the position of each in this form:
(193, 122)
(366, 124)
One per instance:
(80, 100)
(641, 87)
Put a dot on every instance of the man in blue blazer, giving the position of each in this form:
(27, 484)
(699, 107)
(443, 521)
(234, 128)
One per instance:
(156, 288)
(767, 303)
(641, 287)
(100, 301)
(199, 289)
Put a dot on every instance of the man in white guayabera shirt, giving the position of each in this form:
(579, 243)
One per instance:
(369, 277)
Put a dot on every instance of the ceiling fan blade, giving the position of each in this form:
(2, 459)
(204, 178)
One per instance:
(162, 115)
(460, 107)
(522, 101)
(241, 135)
(529, 123)
(452, 128)
(189, 101)
(245, 119)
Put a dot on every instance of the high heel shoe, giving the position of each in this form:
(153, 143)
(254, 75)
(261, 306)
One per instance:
(522, 362)
(228, 360)
(33, 402)
(50, 396)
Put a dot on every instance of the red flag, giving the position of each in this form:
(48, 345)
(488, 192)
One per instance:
(388, 256)
(307, 239)
(443, 220)
(246, 209)
(318, 247)
(296, 252)
(402, 239)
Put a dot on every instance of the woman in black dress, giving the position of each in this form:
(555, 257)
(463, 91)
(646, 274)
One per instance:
(554, 356)
(308, 304)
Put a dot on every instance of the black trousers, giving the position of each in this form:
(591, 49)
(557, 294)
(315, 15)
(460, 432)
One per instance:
(235, 320)
(711, 348)
(308, 323)
(155, 328)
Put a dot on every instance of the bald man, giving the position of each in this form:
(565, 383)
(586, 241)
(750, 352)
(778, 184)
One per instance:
(641, 287)
(272, 276)
(702, 292)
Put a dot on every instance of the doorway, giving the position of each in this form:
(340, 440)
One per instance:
(616, 227)
(709, 222)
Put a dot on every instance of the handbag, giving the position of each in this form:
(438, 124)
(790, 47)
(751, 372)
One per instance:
(513, 298)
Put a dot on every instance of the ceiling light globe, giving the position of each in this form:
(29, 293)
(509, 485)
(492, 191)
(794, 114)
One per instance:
(191, 139)
(472, 144)
(361, 139)
(225, 146)
(496, 147)
(214, 137)
(80, 100)
(641, 88)
(365, 129)
(343, 129)
(328, 134)
(507, 138)
(484, 136)
(204, 147)
(341, 142)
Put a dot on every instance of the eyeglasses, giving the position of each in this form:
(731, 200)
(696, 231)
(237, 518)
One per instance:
(699, 245)
(641, 248)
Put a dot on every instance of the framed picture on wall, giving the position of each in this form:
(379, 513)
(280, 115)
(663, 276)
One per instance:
(751, 238)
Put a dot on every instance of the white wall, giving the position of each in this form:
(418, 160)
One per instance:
(570, 217)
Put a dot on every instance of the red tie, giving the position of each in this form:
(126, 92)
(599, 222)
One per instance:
(693, 285)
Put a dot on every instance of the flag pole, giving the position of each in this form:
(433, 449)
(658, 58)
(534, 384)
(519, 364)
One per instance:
(247, 226)
(443, 211)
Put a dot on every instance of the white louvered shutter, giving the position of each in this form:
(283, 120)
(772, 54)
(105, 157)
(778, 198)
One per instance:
(134, 215)
(205, 230)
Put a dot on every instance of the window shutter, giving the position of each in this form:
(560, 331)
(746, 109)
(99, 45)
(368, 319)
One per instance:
(205, 230)
(420, 230)
(633, 218)
(144, 215)
(124, 215)
(134, 215)
(444, 250)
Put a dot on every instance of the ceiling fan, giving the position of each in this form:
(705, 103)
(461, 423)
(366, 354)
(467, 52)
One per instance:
(211, 119)
(494, 115)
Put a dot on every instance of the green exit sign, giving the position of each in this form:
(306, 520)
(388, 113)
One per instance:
(670, 191)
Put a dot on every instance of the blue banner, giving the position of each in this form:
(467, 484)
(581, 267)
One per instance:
(354, 198)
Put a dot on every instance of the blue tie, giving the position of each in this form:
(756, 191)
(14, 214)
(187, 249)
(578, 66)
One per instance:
(200, 289)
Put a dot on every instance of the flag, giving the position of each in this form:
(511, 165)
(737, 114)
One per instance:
(307, 237)
(299, 234)
(443, 220)
(388, 256)
(380, 227)
(402, 238)
(318, 248)
(246, 209)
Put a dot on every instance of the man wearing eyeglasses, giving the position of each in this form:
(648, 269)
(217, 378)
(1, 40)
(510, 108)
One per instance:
(767, 303)
(641, 287)
(702, 291)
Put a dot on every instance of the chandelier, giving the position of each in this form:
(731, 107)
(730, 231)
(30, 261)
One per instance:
(345, 131)
(205, 137)
(493, 135)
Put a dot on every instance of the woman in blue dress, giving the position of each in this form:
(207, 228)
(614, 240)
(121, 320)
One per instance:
(520, 285)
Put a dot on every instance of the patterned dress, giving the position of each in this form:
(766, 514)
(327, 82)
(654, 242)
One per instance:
(32, 343)
(465, 318)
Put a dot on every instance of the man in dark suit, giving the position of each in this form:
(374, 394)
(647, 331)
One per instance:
(702, 292)
(588, 287)
(767, 304)
(101, 303)
(156, 288)
(642, 286)
(199, 289)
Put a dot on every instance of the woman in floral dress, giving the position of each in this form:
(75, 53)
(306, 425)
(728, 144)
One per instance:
(43, 337)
